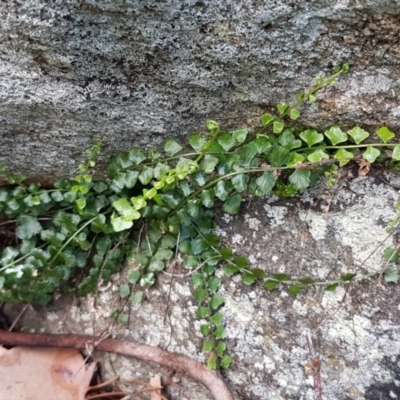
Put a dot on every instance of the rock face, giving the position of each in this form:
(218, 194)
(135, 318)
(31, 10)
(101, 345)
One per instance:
(355, 329)
(134, 72)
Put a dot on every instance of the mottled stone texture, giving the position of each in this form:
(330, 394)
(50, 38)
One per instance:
(133, 72)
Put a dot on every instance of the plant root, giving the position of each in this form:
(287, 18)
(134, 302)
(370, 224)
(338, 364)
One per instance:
(195, 370)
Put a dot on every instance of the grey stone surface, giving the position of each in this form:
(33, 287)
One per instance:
(134, 72)
(355, 330)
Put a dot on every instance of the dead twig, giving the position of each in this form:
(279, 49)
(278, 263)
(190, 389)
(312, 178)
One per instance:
(316, 366)
(197, 371)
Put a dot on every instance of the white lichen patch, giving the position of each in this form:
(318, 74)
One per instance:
(253, 223)
(360, 226)
(276, 214)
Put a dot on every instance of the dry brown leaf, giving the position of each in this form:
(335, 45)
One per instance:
(363, 167)
(34, 373)
(155, 381)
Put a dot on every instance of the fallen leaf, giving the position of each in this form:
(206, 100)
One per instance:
(363, 167)
(34, 373)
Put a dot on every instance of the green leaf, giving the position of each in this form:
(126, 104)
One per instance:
(219, 332)
(266, 119)
(227, 141)
(294, 114)
(247, 156)
(239, 182)
(396, 153)
(214, 283)
(147, 280)
(199, 245)
(311, 137)
(226, 253)
(300, 179)
(202, 312)
(391, 275)
(317, 156)
(312, 98)
(263, 143)
(241, 262)
(331, 287)
(197, 280)
(336, 135)
(371, 154)
(230, 269)
(282, 107)
(282, 277)
(258, 272)
(55, 238)
(120, 224)
(200, 294)
(279, 156)
(343, 156)
(27, 227)
(216, 301)
(220, 348)
(81, 203)
(146, 175)
(209, 163)
(278, 126)
(212, 125)
(265, 183)
(156, 265)
(358, 134)
(307, 281)
(226, 362)
(205, 329)
(123, 206)
(32, 200)
(240, 135)
(207, 198)
(163, 254)
(67, 222)
(390, 254)
(385, 134)
(134, 276)
(8, 255)
(193, 208)
(249, 278)
(27, 245)
(347, 277)
(172, 147)
(136, 155)
(130, 178)
(271, 284)
(136, 298)
(295, 158)
(295, 289)
(217, 318)
(200, 178)
(138, 202)
(232, 204)
(124, 290)
(221, 190)
(212, 363)
(197, 141)
(288, 140)
(185, 187)
(57, 196)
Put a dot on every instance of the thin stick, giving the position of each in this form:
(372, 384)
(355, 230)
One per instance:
(197, 371)
(316, 363)
(18, 317)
